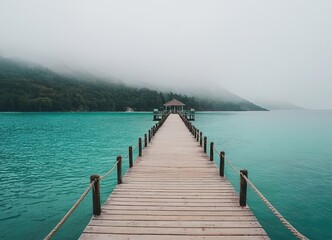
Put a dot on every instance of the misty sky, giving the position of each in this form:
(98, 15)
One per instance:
(258, 49)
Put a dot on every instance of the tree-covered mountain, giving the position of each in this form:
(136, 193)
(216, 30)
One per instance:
(29, 88)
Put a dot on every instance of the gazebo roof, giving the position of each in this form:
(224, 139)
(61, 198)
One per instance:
(174, 102)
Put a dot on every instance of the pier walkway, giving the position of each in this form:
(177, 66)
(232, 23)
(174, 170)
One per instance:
(174, 192)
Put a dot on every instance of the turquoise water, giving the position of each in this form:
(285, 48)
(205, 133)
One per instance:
(288, 155)
(46, 160)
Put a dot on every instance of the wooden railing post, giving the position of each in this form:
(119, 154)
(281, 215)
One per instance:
(140, 147)
(243, 188)
(205, 140)
(200, 139)
(149, 135)
(130, 154)
(222, 164)
(145, 141)
(95, 194)
(211, 151)
(119, 168)
(197, 135)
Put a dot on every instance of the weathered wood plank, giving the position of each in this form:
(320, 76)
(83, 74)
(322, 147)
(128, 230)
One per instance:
(92, 236)
(174, 208)
(173, 224)
(133, 217)
(172, 204)
(179, 213)
(241, 231)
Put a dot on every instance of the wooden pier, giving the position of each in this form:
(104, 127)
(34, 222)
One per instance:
(175, 192)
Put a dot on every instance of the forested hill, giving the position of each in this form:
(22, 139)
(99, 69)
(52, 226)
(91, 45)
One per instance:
(28, 88)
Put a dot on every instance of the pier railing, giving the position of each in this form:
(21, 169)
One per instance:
(243, 174)
(95, 179)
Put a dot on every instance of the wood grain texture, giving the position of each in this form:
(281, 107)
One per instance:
(174, 192)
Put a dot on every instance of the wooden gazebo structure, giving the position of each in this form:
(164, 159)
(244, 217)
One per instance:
(174, 106)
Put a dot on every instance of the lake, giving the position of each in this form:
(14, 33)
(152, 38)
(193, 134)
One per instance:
(46, 160)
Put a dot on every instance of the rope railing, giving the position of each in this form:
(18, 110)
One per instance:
(135, 148)
(215, 149)
(289, 226)
(243, 174)
(78, 202)
(63, 220)
(110, 171)
(275, 211)
(232, 166)
(95, 179)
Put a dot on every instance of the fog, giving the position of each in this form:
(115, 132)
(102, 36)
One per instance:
(273, 50)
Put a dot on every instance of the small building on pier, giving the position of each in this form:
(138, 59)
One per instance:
(174, 106)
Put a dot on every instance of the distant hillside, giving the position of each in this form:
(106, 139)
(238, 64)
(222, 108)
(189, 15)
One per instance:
(26, 87)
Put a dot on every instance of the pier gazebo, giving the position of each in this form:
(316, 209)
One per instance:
(174, 106)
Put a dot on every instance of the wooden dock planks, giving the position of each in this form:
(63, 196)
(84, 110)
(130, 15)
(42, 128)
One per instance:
(174, 192)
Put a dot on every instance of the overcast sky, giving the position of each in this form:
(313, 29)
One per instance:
(258, 49)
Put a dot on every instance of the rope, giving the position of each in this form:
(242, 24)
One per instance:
(110, 171)
(56, 228)
(215, 149)
(269, 205)
(135, 148)
(275, 211)
(78, 202)
(232, 166)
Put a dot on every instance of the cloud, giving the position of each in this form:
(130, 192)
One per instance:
(278, 50)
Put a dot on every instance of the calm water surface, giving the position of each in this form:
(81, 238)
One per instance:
(46, 160)
(288, 155)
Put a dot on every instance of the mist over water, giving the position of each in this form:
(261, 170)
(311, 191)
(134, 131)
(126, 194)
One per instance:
(256, 49)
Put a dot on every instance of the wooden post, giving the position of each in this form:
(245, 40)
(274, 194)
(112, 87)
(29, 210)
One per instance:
(200, 139)
(222, 164)
(145, 140)
(119, 168)
(211, 151)
(243, 188)
(149, 135)
(130, 154)
(96, 195)
(195, 132)
(205, 140)
(197, 135)
(140, 147)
